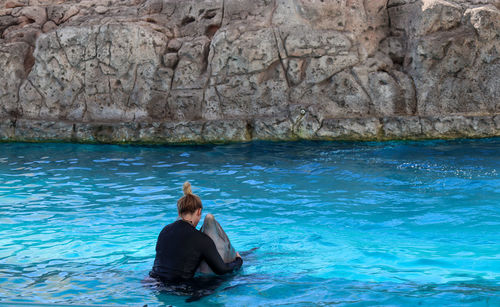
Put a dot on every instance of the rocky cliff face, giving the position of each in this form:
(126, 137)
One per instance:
(236, 70)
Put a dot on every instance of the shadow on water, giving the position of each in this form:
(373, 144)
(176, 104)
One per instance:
(196, 288)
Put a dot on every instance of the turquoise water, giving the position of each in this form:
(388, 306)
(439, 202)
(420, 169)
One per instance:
(400, 223)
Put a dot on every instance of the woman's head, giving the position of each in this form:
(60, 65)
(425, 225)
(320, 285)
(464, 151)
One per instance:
(189, 203)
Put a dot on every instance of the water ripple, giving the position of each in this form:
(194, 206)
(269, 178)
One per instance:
(399, 223)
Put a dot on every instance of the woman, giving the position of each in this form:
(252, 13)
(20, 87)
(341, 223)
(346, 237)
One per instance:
(181, 247)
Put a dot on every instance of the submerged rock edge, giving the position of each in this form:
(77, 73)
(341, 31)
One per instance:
(233, 131)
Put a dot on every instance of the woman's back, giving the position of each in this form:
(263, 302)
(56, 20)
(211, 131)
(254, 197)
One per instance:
(180, 249)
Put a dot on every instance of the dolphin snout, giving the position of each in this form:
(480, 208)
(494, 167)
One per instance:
(210, 222)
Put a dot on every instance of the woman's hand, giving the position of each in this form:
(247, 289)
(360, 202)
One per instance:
(238, 255)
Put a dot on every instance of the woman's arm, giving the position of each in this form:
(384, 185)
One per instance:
(214, 260)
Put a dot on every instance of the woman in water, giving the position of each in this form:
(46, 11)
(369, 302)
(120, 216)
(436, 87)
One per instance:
(181, 247)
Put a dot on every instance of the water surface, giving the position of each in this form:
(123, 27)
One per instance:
(398, 223)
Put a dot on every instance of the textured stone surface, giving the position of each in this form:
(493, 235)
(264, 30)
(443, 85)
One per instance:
(177, 71)
(216, 131)
(226, 130)
(272, 128)
(402, 127)
(458, 126)
(350, 129)
(12, 62)
(38, 130)
(7, 130)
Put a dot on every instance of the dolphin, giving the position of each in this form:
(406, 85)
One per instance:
(213, 229)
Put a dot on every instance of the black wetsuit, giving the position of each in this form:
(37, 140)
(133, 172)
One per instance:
(180, 249)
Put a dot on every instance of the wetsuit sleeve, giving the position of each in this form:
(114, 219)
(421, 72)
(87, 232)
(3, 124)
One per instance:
(214, 260)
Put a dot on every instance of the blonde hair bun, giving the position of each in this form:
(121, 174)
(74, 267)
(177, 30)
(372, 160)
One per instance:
(187, 188)
(188, 203)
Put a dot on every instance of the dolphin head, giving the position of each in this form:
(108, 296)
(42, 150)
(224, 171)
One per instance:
(214, 230)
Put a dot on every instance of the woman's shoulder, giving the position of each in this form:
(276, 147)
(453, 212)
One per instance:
(172, 226)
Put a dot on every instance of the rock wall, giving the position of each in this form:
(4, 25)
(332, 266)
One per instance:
(235, 70)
